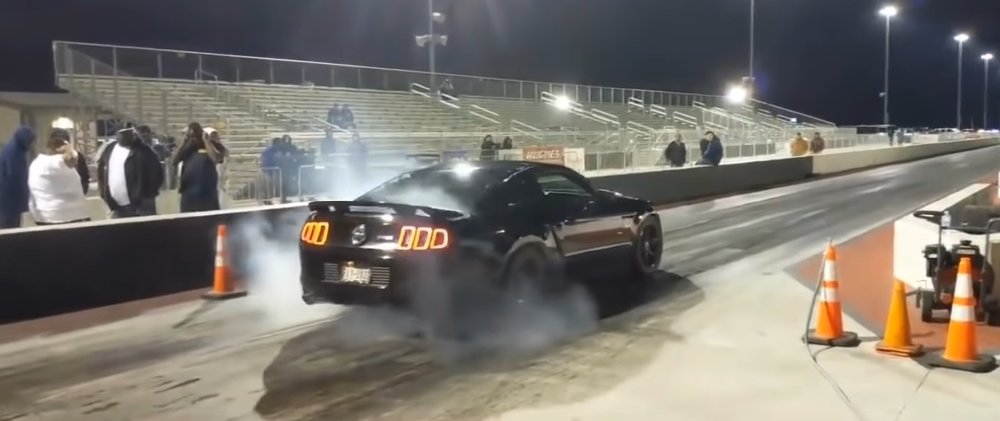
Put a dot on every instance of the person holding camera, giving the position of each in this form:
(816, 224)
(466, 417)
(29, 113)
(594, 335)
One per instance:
(57, 194)
(198, 158)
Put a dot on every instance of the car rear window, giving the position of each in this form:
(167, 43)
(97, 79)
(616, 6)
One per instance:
(438, 188)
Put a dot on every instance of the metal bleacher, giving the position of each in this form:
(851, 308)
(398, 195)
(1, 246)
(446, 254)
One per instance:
(250, 100)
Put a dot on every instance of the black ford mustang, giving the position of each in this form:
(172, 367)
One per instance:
(502, 222)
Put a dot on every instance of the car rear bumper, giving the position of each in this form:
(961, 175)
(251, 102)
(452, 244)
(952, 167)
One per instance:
(396, 280)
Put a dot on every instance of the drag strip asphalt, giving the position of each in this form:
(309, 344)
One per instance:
(271, 357)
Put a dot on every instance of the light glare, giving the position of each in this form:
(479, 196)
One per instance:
(962, 37)
(736, 95)
(889, 11)
(562, 102)
(986, 56)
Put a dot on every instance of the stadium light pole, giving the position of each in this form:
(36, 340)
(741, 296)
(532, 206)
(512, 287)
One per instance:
(961, 39)
(431, 40)
(752, 81)
(889, 12)
(986, 88)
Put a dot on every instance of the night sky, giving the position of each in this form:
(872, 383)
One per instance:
(822, 57)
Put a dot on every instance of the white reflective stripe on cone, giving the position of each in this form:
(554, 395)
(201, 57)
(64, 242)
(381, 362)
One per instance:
(829, 270)
(963, 286)
(963, 314)
(219, 244)
(218, 261)
(829, 295)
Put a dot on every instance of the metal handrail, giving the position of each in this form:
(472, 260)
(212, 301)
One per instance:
(448, 100)
(634, 102)
(419, 89)
(795, 112)
(485, 117)
(639, 127)
(332, 126)
(715, 126)
(484, 110)
(199, 72)
(686, 118)
(658, 110)
(526, 126)
(604, 115)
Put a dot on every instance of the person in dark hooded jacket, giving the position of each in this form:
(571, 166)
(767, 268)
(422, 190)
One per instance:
(676, 152)
(14, 177)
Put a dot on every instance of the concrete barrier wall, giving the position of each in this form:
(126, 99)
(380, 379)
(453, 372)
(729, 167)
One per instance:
(673, 185)
(51, 270)
(46, 271)
(835, 162)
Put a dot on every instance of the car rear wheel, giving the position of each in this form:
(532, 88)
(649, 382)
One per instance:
(533, 271)
(648, 247)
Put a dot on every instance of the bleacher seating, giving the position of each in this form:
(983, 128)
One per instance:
(248, 113)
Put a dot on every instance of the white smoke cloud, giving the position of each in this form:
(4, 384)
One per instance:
(457, 317)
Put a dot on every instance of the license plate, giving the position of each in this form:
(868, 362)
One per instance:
(355, 275)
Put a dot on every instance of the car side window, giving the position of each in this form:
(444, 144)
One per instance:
(519, 190)
(557, 183)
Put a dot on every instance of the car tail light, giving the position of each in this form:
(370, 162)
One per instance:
(422, 238)
(315, 233)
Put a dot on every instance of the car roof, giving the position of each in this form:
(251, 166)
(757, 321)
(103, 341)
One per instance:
(502, 168)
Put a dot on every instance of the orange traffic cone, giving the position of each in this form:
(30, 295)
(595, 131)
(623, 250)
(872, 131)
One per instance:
(223, 287)
(830, 323)
(897, 340)
(960, 350)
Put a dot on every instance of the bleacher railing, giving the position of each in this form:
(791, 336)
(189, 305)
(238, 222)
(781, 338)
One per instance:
(177, 64)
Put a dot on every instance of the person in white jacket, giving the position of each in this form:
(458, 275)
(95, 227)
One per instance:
(54, 183)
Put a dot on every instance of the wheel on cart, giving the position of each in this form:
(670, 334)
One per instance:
(926, 299)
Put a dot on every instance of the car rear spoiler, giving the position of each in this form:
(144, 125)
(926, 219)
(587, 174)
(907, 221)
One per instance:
(344, 206)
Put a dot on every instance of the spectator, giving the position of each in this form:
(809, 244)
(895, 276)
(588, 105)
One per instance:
(347, 117)
(798, 146)
(222, 165)
(14, 191)
(714, 151)
(447, 88)
(146, 135)
(54, 182)
(269, 157)
(129, 176)
(817, 144)
(198, 157)
(333, 115)
(269, 166)
(508, 143)
(488, 148)
(81, 162)
(676, 152)
(164, 150)
(287, 163)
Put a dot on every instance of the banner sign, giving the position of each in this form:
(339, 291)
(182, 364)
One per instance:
(548, 155)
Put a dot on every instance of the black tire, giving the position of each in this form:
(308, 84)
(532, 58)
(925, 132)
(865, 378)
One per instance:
(647, 251)
(926, 306)
(534, 269)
